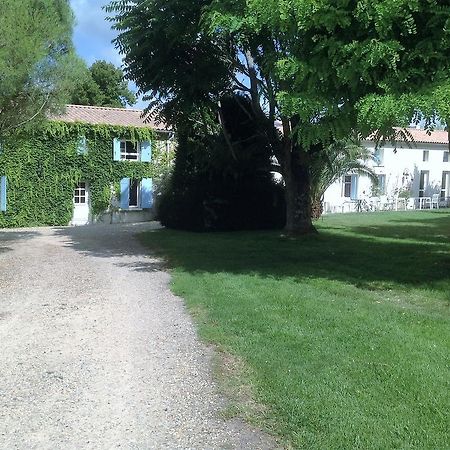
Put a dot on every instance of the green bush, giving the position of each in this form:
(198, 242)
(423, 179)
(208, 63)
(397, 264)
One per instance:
(207, 204)
(215, 188)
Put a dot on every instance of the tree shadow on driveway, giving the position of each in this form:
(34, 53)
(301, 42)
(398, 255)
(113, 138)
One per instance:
(114, 241)
(9, 237)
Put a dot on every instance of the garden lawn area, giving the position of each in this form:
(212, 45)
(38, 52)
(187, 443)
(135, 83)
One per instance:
(344, 336)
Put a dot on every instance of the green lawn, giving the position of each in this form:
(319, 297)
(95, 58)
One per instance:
(344, 336)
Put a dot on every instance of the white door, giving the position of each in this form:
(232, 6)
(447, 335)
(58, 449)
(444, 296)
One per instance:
(81, 204)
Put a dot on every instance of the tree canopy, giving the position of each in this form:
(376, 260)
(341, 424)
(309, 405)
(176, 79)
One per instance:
(324, 69)
(37, 63)
(103, 84)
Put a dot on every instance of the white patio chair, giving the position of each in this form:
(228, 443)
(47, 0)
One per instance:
(424, 202)
(411, 203)
(435, 200)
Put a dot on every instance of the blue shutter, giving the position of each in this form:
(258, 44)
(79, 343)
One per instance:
(146, 151)
(382, 183)
(125, 193)
(377, 157)
(3, 185)
(354, 187)
(82, 145)
(147, 193)
(116, 149)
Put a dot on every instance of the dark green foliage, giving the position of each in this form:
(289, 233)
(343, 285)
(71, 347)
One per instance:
(168, 54)
(43, 168)
(103, 85)
(325, 69)
(38, 65)
(200, 196)
(220, 184)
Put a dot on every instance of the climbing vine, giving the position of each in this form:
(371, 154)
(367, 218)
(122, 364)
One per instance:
(44, 165)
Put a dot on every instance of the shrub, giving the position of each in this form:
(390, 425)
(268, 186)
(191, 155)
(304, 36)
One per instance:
(214, 187)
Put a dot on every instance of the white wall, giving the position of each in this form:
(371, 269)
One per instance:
(402, 167)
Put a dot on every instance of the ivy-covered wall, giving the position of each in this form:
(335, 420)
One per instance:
(43, 167)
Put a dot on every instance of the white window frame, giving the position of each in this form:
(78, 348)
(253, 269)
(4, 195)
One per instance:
(124, 153)
(426, 156)
(80, 193)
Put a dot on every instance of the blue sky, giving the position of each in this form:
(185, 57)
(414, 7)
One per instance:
(93, 35)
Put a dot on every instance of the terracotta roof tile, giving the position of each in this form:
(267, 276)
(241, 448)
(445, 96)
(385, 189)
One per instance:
(435, 137)
(422, 136)
(103, 115)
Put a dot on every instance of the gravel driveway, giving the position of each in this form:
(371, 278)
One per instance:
(97, 353)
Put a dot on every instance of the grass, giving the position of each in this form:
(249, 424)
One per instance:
(345, 336)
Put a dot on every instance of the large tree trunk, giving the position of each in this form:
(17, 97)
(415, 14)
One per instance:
(298, 201)
(297, 186)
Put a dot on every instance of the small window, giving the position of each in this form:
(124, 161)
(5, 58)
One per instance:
(347, 186)
(423, 182)
(129, 150)
(382, 184)
(426, 155)
(79, 196)
(82, 145)
(445, 158)
(378, 156)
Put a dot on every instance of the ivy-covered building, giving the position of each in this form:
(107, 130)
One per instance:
(91, 164)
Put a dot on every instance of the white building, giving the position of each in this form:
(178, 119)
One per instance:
(411, 175)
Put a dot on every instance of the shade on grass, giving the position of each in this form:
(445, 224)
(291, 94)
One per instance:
(346, 334)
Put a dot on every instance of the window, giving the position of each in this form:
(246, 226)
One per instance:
(3, 186)
(136, 193)
(423, 182)
(347, 185)
(445, 158)
(350, 186)
(79, 196)
(378, 156)
(445, 185)
(126, 150)
(426, 155)
(382, 184)
(82, 145)
(129, 150)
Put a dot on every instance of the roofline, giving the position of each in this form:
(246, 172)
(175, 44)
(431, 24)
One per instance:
(144, 120)
(421, 140)
(105, 107)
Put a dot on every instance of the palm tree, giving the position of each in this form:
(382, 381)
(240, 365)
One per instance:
(340, 158)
